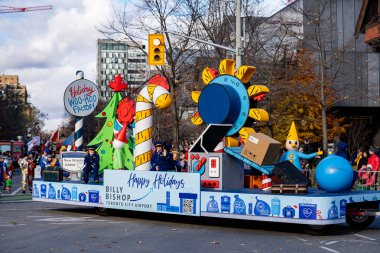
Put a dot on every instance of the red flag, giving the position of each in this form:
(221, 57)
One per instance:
(55, 136)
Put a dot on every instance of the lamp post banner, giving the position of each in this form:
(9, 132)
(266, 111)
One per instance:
(81, 98)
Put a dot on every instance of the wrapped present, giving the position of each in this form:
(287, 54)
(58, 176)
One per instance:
(307, 210)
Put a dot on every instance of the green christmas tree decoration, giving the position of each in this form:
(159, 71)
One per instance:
(106, 134)
(105, 137)
(123, 145)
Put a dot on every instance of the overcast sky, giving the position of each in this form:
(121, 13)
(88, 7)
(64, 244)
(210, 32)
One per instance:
(46, 48)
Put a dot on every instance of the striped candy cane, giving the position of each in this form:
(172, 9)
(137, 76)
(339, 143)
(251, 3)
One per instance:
(150, 95)
(267, 182)
(79, 130)
(78, 133)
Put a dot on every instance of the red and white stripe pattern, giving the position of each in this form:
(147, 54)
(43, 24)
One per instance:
(267, 182)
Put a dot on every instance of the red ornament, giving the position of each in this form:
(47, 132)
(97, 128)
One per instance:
(104, 113)
(125, 111)
(106, 140)
(160, 81)
(117, 84)
(214, 72)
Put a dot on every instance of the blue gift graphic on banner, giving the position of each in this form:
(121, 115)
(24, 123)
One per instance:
(212, 205)
(239, 205)
(51, 192)
(276, 206)
(261, 208)
(288, 212)
(82, 197)
(225, 204)
(308, 211)
(43, 190)
(343, 206)
(332, 212)
(36, 192)
(93, 196)
(65, 193)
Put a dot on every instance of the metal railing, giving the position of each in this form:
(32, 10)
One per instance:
(365, 179)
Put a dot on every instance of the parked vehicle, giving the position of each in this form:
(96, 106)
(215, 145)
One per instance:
(15, 148)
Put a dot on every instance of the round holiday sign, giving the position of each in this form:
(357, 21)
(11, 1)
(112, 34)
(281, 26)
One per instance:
(81, 97)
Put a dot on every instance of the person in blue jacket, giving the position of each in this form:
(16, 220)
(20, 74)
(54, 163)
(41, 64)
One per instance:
(3, 171)
(43, 160)
(160, 160)
(91, 163)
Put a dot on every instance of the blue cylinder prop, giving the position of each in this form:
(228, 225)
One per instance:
(334, 174)
(219, 104)
(225, 101)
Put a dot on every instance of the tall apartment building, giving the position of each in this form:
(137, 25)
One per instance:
(17, 92)
(120, 57)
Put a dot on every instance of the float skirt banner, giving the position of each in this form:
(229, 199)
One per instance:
(68, 193)
(300, 208)
(150, 191)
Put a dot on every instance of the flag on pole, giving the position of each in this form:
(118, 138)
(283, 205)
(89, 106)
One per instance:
(68, 140)
(35, 141)
(53, 138)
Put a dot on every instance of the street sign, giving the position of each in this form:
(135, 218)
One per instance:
(81, 98)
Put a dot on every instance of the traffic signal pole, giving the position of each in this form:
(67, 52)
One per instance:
(238, 61)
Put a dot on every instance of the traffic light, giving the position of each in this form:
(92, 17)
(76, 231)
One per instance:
(156, 49)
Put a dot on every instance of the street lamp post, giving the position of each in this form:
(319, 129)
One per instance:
(238, 34)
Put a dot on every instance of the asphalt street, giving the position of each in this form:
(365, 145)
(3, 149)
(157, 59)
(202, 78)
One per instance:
(28, 226)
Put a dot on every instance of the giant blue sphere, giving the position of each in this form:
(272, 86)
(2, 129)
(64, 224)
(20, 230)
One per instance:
(334, 174)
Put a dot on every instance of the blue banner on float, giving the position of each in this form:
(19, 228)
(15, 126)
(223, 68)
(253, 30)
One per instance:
(164, 192)
(306, 207)
(73, 193)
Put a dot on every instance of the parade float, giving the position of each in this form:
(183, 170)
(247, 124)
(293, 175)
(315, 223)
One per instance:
(217, 183)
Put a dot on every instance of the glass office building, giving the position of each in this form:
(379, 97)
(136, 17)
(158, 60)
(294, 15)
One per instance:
(120, 57)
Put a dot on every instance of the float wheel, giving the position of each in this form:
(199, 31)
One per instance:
(102, 211)
(317, 229)
(359, 221)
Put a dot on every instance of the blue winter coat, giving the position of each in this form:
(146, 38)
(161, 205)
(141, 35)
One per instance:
(91, 161)
(158, 159)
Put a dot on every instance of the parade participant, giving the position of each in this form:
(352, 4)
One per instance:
(24, 172)
(292, 154)
(43, 159)
(342, 147)
(9, 161)
(373, 165)
(183, 161)
(53, 160)
(3, 171)
(171, 160)
(31, 167)
(91, 163)
(160, 158)
(176, 165)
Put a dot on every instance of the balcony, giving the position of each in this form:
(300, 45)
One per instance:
(372, 37)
